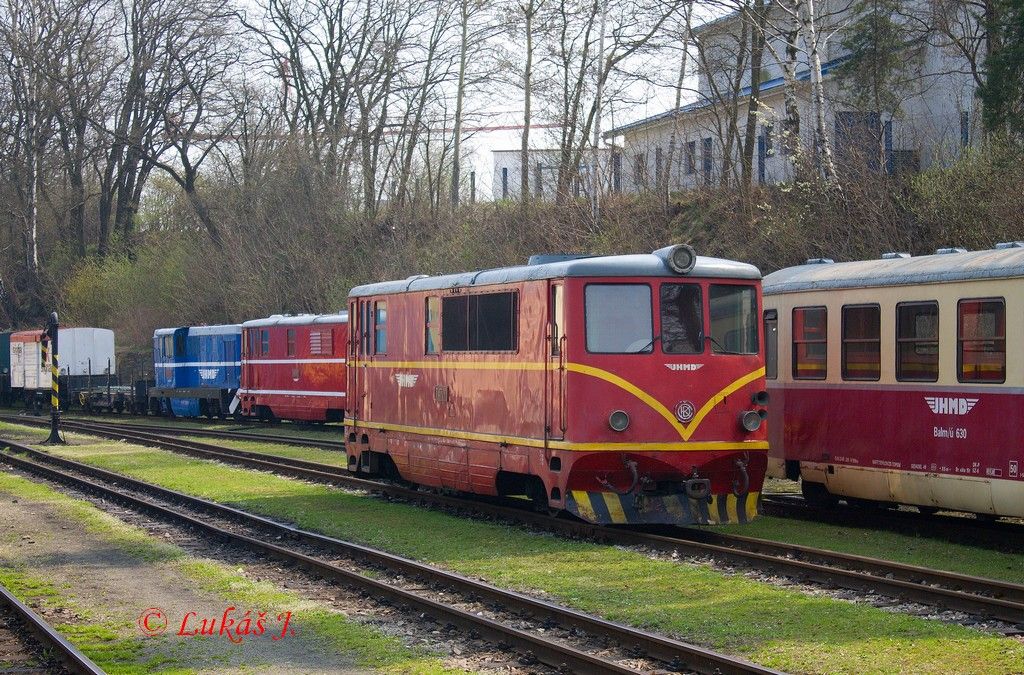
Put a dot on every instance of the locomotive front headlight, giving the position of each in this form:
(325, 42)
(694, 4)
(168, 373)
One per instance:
(682, 259)
(750, 420)
(618, 420)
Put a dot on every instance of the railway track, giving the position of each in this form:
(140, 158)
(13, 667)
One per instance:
(314, 553)
(988, 598)
(53, 645)
(211, 433)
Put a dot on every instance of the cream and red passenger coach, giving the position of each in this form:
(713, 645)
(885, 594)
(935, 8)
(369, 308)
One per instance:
(901, 380)
(621, 388)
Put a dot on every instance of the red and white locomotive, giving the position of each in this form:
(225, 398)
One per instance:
(293, 367)
(623, 389)
(890, 380)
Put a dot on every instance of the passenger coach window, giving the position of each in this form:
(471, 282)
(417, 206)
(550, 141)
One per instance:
(619, 318)
(810, 343)
(432, 325)
(682, 319)
(733, 319)
(917, 341)
(981, 341)
(771, 344)
(480, 323)
(862, 342)
(380, 327)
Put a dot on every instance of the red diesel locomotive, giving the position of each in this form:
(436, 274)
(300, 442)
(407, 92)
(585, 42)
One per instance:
(293, 367)
(623, 389)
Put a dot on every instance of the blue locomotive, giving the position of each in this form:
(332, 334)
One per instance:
(197, 370)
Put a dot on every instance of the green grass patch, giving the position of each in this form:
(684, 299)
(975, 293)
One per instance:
(106, 643)
(778, 627)
(331, 457)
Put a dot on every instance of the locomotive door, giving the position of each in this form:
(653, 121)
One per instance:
(554, 374)
(355, 356)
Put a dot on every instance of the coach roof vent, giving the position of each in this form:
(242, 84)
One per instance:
(1008, 244)
(893, 255)
(952, 249)
(819, 261)
(547, 258)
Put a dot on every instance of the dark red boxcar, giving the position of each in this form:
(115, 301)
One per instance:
(293, 367)
(621, 388)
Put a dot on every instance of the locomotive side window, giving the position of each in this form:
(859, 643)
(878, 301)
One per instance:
(480, 323)
(264, 342)
(682, 321)
(291, 342)
(810, 343)
(619, 318)
(557, 318)
(981, 341)
(432, 325)
(917, 341)
(862, 342)
(771, 344)
(380, 327)
(733, 319)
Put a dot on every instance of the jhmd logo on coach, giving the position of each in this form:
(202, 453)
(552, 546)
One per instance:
(950, 405)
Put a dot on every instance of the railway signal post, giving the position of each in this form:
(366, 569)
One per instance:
(52, 330)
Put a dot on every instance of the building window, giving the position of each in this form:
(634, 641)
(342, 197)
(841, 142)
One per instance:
(432, 325)
(917, 341)
(380, 327)
(771, 344)
(538, 179)
(769, 139)
(981, 341)
(965, 129)
(762, 157)
(264, 342)
(480, 323)
(504, 182)
(640, 170)
(862, 342)
(617, 172)
(810, 343)
(682, 319)
(321, 342)
(619, 318)
(691, 158)
(707, 161)
(659, 167)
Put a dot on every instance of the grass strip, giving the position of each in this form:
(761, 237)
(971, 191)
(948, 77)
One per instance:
(779, 627)
(108, 643)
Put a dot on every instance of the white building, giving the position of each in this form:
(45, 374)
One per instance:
(935, 114)
(544, 173)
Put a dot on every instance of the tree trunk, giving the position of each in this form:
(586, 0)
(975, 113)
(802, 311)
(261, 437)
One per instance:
(757, 38)
(524, 156)
(822, 149)
(459, 96)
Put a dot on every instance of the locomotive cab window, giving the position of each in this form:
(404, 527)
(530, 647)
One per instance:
(734, 315)
(682, 320)
(917, 341)
(432, 325)
(981, 341)
(810, 343)
(619, 318)
(480, 323)
(862, 342)
(771, 344)
(380, 327)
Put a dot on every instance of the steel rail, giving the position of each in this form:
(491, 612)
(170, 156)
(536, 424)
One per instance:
(948, 590)
(48, 636)
(217, 433)
(675, 653)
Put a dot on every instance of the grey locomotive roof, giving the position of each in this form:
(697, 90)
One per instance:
(201, 330)
(639, 265)
(926, 269)
(296, 320)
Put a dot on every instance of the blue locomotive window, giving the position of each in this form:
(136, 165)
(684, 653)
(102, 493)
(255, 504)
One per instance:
(380, 327)
(733, 319)
(480, 323)
(682, 320)
(432, 325)
(264, 342)
(619, 319)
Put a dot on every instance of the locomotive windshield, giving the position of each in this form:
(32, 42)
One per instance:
(619, 319)
(682, 323)
(733, 319)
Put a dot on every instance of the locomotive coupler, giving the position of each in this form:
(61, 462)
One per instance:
(698, 488)
(629, 464)
(743, 480)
